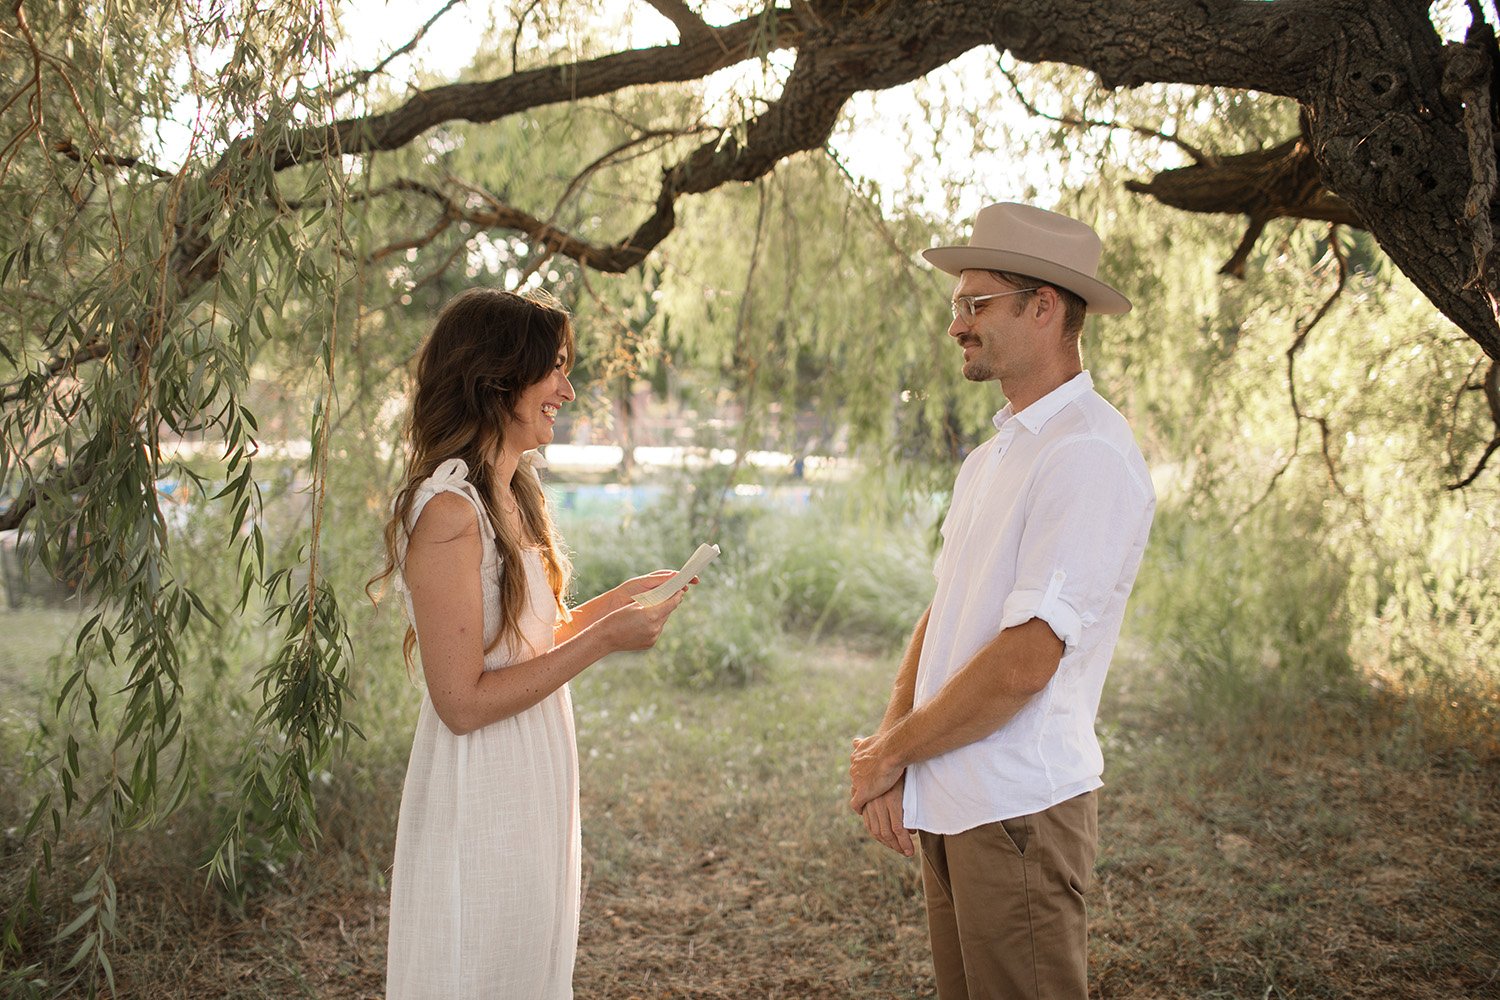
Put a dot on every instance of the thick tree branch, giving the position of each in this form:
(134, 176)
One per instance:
(1367, 74)
(1270, 47)
(1467, 75)
(1283, 182)
(14, 516)
(63, 480)
(1377, 149)
(801, 119)
(490, 100)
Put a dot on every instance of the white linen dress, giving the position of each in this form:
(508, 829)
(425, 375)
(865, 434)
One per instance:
(484, 893)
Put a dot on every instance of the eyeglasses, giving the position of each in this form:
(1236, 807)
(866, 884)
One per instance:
(964, 305)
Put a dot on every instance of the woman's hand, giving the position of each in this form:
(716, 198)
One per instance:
(640, 584)
(592, 612)
(624, 594)
(633, 627)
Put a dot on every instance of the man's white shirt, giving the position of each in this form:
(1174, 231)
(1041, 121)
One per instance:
(1049, 520)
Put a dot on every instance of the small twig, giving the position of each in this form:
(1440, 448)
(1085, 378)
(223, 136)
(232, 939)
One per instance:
(548, 249)
(538, 262)
(92, 351)
(1198, 155)
(1468, 385)
(438, 271)
(1492, 397)
(34, 85)
(439, 227)
(608, 158)
(515, 42)
(624, 362)
(399, 185)
(360, 77)
(451, 212)
(1298, 343)
(1489, 450)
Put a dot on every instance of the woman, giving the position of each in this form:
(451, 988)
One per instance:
(484, 896)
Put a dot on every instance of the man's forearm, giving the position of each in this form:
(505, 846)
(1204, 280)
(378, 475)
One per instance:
(983, 696)
(903, 693)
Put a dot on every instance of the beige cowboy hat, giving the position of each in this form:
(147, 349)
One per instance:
(1032, 241)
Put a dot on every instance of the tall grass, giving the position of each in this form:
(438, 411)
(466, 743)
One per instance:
(824, 571)
(1262, 623)
(1251, 622)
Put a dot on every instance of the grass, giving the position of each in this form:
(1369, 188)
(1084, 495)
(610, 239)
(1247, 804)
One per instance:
(1342, 857)
(33, 635)
(1328, 857)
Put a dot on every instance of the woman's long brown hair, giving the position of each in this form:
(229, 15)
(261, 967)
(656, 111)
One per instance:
(486, 348)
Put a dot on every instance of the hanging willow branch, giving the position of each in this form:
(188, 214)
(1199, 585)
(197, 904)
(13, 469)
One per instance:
(1491, 389)
(1299, 341)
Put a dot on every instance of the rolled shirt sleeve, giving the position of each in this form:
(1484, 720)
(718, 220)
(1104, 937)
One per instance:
(1083, 519)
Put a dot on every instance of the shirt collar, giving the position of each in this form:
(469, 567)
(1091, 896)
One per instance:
(1035, 416)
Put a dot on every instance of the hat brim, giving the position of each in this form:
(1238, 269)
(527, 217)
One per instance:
(1099, 297)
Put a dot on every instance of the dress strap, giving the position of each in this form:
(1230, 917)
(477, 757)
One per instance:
(451, 476)
(453, 470)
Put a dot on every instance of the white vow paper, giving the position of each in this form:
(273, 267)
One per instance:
(696, 562)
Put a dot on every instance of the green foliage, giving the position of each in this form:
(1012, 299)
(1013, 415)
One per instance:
(1306, 538)
(833, 570)
(1248, 623)
(718, 638)
(116, 362)
(300, 721)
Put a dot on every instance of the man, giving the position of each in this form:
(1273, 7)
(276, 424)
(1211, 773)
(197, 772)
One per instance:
(987, 748)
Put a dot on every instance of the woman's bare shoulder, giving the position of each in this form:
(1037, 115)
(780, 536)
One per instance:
(447, 517)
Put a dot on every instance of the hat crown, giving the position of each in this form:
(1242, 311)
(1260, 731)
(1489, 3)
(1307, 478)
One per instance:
(1038, 233)
(1023, 239)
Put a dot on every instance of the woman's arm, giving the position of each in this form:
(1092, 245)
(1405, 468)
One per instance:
(613, 599)
(441, 570)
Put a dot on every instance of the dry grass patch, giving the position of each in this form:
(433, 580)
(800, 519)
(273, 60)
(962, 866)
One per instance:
(1350, 855)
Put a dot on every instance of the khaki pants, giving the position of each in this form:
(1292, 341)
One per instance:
(1005, 905)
